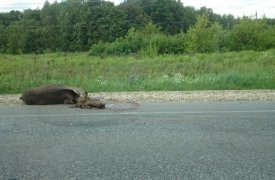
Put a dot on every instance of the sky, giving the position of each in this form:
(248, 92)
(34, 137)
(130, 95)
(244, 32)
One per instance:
(238, 8)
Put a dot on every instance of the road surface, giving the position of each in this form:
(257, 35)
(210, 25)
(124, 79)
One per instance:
(202, 140)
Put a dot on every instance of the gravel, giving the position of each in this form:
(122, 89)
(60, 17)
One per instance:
(164, 96)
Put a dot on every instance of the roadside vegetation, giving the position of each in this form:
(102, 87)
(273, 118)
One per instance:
(138, 45)
(135, 26)
(206, 71)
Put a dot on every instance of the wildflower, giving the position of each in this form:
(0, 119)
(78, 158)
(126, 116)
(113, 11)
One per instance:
(178, 78)
(100, 80)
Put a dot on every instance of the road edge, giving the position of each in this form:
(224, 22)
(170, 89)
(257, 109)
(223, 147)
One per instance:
(168, 96)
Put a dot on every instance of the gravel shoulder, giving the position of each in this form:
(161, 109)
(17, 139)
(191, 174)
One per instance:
(168, 96)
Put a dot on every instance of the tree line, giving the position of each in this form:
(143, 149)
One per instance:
(134, 26)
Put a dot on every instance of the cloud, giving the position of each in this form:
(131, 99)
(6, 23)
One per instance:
(238, 8)
(8, 5)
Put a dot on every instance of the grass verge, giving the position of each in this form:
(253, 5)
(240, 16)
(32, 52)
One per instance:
(230, 70)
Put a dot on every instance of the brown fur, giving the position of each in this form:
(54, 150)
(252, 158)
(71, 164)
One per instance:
(89, 103)
(50, 94)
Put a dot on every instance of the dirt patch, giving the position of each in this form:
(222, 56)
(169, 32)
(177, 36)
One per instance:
(164, 96)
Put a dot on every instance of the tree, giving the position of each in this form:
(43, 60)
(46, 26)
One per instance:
(3, 38)
(227, 21)
(8, 36)
(135, 15)
(76, 25)
(251, 34)
(50, 14)
(104, 22)
(189, 18)
(169, 15)
(203, 37)
(69, 17)
(14, 31)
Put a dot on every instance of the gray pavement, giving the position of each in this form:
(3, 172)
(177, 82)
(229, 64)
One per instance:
(202, 140)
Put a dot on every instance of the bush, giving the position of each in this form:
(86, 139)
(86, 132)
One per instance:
(252, 34)
(171, 44)
(148, 41)
(203, 37)
(98, 49)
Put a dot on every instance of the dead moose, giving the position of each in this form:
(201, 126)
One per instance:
(50, 94)
(60, 94)
(86, 102)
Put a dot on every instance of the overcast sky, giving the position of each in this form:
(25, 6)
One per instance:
(236, 7)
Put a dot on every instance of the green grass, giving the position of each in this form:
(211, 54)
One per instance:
(231, 70)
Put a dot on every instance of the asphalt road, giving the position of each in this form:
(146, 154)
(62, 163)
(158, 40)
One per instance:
(219, 140)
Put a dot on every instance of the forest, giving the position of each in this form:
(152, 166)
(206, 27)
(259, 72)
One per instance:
(132, 27)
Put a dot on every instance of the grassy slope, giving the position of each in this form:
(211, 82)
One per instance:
(232, 70)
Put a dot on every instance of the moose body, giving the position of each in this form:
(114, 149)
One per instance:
(50, 94)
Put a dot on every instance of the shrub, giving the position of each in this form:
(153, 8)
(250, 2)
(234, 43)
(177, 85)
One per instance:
(98, 49)
(252, 34)
(147, 41)
(203, 37)
(171, 44)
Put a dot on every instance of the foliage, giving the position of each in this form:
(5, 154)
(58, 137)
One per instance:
(81, 25)
(148, 41)
(252, 34)
(203, 37)
(71, 25)
(135, 15)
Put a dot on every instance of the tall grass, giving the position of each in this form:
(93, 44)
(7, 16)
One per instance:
(231, 70)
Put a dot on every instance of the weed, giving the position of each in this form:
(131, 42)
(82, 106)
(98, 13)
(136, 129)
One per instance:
(230, 70)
